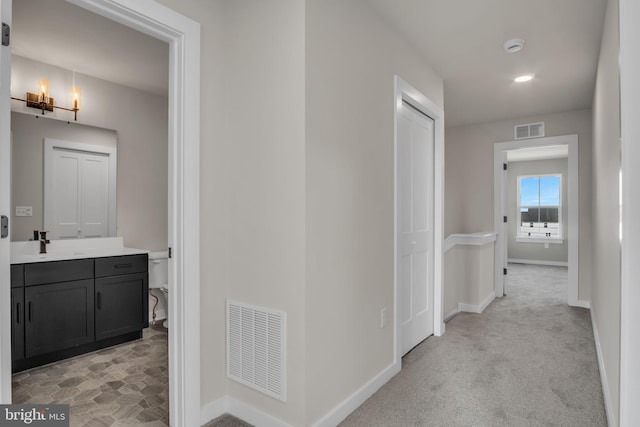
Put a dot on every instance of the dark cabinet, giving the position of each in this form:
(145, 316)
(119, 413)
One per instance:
(58, 316)
(120, 302)
(17, 311)
(65, 308)
(17, 323)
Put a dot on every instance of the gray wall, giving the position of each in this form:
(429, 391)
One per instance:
(140, 120)
(536, 251)
(27, 163)
(469, 176)
(605, 294)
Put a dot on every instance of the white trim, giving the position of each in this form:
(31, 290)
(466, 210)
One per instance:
(538, 240)
(539, 262)
(477, 308)
(499, 154)
(5, 209)
(603, 374)
(247, 413)
(403, 91)
(450, 315)
(629, 15)
(183, 36)
(583, 303)
(50, 145)
(351, 403)
(473, 239)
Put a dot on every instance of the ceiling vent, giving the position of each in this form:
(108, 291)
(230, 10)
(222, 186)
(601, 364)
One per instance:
(530, 130)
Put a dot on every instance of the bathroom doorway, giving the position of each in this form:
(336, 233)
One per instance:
(182, 35)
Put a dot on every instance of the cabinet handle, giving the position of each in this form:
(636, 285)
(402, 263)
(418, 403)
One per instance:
(99, 300)
(124, 266)
(29, 311)
(18, 313)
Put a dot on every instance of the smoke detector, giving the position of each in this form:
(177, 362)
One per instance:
(513, 45)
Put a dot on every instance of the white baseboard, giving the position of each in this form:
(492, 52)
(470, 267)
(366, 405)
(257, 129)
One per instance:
(603, 375)
(583, 303)
(251, 415)
(351, 403)
(453, 313)
(477, 308)
(538, 262)
(247, 413)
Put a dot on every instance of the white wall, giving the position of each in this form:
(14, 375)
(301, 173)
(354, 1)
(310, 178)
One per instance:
(252, 197)
(605, 294)
(556, 252)
(351, 59)
(469, 176)
(140, 120)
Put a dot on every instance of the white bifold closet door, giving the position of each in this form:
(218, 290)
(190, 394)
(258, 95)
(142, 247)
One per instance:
(78, 203)
(415, 256)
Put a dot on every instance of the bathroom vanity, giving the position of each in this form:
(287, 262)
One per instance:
(73, 301)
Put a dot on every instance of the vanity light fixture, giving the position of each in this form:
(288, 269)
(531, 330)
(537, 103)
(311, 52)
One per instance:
(44, 102)
(524, 78)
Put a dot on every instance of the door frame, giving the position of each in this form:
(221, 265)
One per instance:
(403, 91)
(629, 14)
(573, 214)
(5, 208)
(183, 36)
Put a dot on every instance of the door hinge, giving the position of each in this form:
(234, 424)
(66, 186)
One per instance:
(504, 166)
(4, 227)
(504, 271)
(169, 252)
(504, 218)
(6, 34)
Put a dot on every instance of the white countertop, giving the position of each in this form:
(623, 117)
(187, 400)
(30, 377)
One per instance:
(59, 250)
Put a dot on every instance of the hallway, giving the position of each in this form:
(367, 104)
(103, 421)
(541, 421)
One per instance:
(529, 359)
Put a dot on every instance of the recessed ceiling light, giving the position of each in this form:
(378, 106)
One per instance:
(513, 45)
(522, 79)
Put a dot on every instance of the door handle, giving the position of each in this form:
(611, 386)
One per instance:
(29, 309)
(18, 313)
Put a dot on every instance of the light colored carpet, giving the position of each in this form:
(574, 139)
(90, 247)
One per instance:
(528, 360)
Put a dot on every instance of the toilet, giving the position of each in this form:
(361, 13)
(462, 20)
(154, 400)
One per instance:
(159, 279)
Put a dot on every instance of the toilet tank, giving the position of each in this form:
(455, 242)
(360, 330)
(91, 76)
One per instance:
(158, 269)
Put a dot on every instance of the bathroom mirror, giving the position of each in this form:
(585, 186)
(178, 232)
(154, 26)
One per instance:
(63, 178)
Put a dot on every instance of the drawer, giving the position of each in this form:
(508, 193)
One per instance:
(17, 275)
(117, 265)
(39, 273)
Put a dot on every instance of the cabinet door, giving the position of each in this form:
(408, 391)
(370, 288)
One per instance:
(120, 304)
(58, 316)
(17, 323)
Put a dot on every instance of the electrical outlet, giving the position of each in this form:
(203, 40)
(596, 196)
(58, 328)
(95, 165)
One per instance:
(546, 245)
(383, 317)
(24, 211)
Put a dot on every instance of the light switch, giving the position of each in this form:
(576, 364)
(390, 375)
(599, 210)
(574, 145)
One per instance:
(24, 211)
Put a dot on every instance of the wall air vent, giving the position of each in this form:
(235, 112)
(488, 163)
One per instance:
(256, 348)
(530, 130)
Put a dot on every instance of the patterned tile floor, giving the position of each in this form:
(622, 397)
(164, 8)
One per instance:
(125, 385)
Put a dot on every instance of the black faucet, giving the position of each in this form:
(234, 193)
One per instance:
(43, 242)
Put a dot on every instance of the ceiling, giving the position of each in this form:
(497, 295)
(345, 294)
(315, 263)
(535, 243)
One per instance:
(59, 33)
(461, 39)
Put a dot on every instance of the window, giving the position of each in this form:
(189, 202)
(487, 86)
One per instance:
(540, 208)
